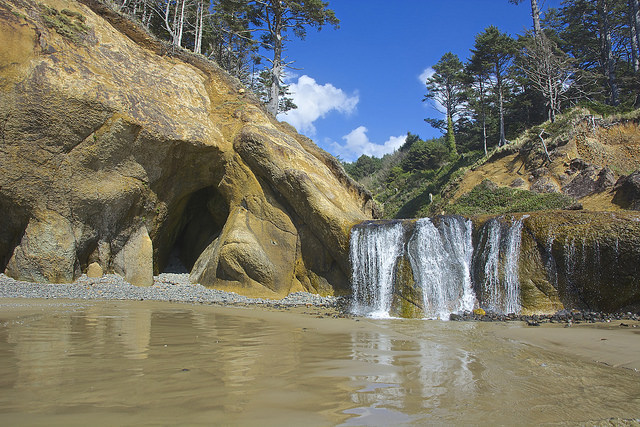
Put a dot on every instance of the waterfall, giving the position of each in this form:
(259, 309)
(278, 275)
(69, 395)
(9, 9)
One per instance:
(375, 250)
(491, 285)
(497, 260)
(441, 261)
(511, 277)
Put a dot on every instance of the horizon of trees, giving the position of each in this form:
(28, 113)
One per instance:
(585, 52)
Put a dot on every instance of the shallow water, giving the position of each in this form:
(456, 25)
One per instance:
(144, 363)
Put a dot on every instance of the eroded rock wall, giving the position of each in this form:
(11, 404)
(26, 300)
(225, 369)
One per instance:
(116, 150)
(576, 259)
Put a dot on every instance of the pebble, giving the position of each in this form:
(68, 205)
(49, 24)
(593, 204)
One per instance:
(568, 317)
(170, 287)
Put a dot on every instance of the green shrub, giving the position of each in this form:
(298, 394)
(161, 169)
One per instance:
(67, 23)
(425, 155)
(487, 198)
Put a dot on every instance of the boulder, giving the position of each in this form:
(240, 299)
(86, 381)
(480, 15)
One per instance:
(627, 190)
(94, 270)
(47, 251)
(134, 262)
(589, 181)
(120, 151)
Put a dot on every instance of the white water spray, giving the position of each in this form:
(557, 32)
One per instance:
(499, 258)
(441, 261)
(375, 249)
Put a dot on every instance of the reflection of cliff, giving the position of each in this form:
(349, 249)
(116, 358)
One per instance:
(119, 152)
(50, 349)
(41, 356)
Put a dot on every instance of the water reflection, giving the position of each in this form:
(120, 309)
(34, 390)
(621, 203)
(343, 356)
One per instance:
(418, 376)
(145, 363)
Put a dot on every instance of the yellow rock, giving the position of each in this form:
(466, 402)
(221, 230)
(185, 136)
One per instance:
(479, 312)
(143, 153)
(94, 270)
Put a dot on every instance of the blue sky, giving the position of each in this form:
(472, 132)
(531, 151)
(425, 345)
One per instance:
(359, 87)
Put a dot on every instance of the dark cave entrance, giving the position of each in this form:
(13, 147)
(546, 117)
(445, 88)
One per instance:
(197, 222)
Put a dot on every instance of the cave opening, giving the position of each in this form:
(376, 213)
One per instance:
(199, 220)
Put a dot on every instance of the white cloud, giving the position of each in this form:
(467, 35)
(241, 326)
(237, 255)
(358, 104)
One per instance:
(357, 143)
(426, 74)
(314, 101)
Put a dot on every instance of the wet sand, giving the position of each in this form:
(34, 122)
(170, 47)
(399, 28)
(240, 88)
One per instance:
(74, 362)
(608, 343)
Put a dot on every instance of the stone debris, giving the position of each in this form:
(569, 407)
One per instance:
(568, 317)
(166, 287)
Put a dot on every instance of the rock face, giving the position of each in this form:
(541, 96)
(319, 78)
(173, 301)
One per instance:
(117, 151)
(586, 260)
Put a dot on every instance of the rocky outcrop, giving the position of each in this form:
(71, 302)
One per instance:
(585, 260)
(586, 156)
(117, 151)
(628, 191)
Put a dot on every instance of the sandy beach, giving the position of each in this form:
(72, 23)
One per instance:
(77, 361)
(612, 343)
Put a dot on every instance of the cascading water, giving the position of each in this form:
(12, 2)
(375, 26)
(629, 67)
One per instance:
(511, 276)
(497, 259)
(441, 261)
(441, 256)
(374, 252)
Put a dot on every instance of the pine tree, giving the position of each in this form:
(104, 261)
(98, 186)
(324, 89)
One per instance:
(276, 19)
(495, 50)
(448, 87)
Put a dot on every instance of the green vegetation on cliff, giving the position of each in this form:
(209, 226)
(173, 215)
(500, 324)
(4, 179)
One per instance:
(487, 198)
(536, 171)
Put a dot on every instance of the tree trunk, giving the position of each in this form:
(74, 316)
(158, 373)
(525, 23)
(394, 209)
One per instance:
(483, 118)
(181, 24)
(608, 63)
(503, 139)
(174, 33)
(634, 24)
(535, 14)
(167, 25)
(276, 64)
(197, 45)
(276, 73)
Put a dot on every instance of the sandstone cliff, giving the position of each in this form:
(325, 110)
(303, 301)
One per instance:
(116, 150)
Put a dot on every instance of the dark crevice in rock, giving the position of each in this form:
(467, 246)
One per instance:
(198, 221)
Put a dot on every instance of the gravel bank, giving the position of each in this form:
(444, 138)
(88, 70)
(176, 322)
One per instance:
(167, 287)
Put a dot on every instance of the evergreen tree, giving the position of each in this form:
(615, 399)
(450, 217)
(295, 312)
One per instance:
(277, 19)
(448, 87)
(495, 51)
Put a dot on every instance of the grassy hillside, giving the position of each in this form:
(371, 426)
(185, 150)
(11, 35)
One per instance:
(571, 163)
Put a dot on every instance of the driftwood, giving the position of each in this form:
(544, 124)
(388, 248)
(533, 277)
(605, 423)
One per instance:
(544, 145)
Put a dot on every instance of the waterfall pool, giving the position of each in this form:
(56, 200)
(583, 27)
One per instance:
(67, 362)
